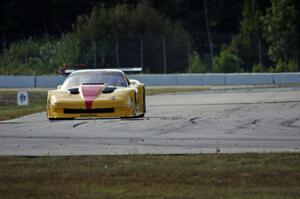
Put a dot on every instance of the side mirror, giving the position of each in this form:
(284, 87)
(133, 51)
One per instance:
(59, 87)
(132, 82)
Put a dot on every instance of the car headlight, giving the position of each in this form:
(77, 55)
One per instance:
(52, 101)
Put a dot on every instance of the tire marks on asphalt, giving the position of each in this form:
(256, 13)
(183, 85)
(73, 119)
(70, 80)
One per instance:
(178, 126)
(78, 124)
(290, 123)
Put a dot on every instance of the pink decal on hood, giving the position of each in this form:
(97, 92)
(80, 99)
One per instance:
(89, 93)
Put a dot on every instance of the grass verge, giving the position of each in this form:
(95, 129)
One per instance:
(37, 100)
(9, 108)
(242, 176)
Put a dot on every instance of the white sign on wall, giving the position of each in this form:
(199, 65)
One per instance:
(22, 98)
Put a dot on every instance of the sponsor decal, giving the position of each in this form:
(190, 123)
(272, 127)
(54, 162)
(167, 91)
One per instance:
(22, 98)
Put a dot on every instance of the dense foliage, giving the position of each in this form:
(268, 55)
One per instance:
(37, 37)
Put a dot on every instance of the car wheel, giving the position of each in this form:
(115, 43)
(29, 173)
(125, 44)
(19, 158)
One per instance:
(144, 106)
(144, 101)
(139, 116)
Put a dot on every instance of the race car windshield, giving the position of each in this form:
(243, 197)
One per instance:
(95, 78)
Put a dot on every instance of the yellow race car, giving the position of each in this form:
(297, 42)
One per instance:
(97, 93)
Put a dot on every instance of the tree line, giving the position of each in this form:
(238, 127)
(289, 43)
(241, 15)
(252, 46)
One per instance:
(170, 36)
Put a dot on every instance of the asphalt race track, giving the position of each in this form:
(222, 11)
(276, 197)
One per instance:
(233, 121)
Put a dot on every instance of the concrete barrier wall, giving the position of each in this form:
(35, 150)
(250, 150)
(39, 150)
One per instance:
(17, 82)
(164, 79)
(156, 80)
(49, 81)
(200, 79)
(286, 78)
(246, 78)
(180, 79)
(219, 79)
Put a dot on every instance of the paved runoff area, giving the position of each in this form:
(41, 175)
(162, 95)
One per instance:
(220, 121)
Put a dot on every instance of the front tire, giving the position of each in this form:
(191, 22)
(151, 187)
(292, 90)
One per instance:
(140, 116)
(144, 101)
(144, 106)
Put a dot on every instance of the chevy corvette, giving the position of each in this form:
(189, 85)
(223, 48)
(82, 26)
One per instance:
(97, 93)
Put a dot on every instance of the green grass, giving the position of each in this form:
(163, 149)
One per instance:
(37, 100)
(9, 108)
(240, 176)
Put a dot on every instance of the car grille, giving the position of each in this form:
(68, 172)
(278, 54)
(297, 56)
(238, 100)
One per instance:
(96, 110)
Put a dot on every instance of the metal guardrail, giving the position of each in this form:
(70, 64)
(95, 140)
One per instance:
(164, 79)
